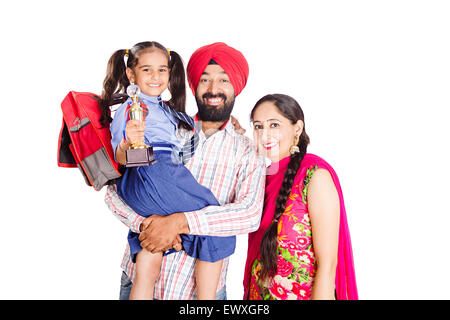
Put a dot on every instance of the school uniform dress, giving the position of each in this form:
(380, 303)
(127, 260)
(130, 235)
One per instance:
(167, 186)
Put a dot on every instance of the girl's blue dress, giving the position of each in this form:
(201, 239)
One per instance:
(166, 187)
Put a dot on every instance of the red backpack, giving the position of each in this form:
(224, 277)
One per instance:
(83, 143)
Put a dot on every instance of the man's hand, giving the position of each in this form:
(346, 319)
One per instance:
(161, 233)
(177, 245)
(237, 126)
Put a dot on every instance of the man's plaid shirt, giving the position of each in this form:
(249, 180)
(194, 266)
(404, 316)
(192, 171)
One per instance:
(227, 164)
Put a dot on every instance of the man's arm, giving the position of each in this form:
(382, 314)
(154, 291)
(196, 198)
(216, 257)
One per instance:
(242, 215)
(138, 223)
(121, 210)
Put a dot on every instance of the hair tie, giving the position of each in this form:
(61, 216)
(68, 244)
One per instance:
(127, 52)
(168, 51)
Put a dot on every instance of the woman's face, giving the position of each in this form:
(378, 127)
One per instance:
(274, 134)
(151, 73)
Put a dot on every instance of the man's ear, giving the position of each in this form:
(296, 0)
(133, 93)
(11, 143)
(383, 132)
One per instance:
(130, 75)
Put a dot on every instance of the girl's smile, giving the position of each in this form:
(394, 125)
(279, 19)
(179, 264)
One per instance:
(151, 74)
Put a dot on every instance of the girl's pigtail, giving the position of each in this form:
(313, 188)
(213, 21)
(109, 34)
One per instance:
(115, 82)
(177, 84)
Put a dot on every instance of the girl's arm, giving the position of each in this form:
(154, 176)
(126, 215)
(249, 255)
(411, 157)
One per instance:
(324, 211)
(120, 152)
(134, 132)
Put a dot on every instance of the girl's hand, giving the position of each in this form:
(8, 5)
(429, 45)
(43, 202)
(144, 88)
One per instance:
(134, 131)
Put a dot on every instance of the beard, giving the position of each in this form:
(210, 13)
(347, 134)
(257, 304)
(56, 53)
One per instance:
(214, 113)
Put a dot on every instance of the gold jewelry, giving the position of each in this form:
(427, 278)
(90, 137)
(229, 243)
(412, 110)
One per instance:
(127, 52)
(295, 149)
(168, 51)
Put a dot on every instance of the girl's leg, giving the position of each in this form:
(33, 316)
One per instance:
(148, 266)
(207, 275)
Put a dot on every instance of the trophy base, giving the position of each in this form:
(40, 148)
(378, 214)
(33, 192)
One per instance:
(140, 157)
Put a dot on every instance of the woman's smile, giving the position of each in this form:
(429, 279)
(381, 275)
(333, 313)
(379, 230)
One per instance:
(270, 145)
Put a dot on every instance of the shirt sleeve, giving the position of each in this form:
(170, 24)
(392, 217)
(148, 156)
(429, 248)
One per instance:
(121, 210)
(117, 126)
(242, 215)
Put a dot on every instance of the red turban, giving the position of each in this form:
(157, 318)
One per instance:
(231, 60)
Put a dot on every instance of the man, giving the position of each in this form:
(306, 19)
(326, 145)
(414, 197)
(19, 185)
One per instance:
(224, 161)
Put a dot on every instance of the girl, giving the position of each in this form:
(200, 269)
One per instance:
(167, 186)
(302, 249)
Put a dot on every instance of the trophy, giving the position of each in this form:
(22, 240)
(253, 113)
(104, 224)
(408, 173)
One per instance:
(139, 154)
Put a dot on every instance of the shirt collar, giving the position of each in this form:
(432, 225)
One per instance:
(227, 126)
(146, 98)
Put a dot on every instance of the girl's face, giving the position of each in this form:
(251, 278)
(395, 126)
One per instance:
(151, 73)
(273, 133)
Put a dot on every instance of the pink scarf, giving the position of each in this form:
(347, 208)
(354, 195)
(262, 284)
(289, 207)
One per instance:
(345, 273)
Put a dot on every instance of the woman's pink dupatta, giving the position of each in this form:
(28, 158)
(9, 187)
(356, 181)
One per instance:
(345, 272)
(273, 185)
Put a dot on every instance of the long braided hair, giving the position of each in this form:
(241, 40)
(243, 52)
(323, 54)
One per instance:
(290, 109)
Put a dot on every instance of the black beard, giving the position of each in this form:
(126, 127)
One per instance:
(214, 113)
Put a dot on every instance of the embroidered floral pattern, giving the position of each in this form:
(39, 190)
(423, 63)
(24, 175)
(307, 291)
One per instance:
(296, 261)
(306, 181)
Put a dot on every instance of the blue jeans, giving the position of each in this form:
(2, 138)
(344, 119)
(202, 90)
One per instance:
(125, 289)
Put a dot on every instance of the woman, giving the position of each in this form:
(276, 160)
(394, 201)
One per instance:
(302, 249)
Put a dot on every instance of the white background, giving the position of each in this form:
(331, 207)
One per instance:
(373, 78)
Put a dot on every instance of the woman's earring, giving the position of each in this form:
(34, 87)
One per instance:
(295, 149)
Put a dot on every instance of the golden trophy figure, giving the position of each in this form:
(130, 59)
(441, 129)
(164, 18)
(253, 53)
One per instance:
(139, 154)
